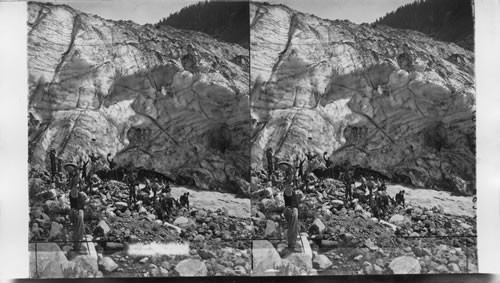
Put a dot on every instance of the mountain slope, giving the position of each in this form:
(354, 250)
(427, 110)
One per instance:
(390, 100)
(154, 98)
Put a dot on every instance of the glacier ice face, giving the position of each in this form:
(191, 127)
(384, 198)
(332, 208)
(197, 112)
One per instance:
(391, 100)
(129, 87)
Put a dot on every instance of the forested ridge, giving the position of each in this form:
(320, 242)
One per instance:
(227, 21)
(446, 20)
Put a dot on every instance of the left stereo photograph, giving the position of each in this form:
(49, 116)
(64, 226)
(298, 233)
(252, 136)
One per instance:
(139, 139)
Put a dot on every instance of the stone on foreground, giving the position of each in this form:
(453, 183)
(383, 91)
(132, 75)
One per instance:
(317, 226)
(405, 265)
(120, 205)
(301, 260)
(265, 257)
(271, 228)
(321, 262)
(107, 264)
(55, 230)
(398, 219)
(48, 261)
(102, 228)
(191, 267)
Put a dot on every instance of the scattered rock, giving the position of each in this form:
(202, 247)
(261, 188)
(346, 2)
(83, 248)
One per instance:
(265, 257)
(321, 262)
(317, 226)
(191, 267)
(300, 260)
(108, 265)
(144, 260)
(405, 265)
(121, 205)
(102, 228)
(55, 230)
(199, 238)
(453, 267)
(271, 228)
(48, 261)
(206, 254)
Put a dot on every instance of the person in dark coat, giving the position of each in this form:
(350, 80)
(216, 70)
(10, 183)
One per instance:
(291, 211)
(77, 201)
(270, 161)
(348, 181)
(184, 200)
(53, 164)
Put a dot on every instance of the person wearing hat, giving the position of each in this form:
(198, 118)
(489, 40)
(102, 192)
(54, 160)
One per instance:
(291, 210)
(76, 201)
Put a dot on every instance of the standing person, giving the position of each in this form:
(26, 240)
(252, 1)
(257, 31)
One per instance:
(291, 211)
(270, 161)
(371, 185)
(53, 164)
(93, 159)
(328, 165)
(347, 179)
(111, 162)
(132, 190)
(112, 166)
(77, 201)
(59, 165)
(83, 167)
(155, 187)
(167, 203)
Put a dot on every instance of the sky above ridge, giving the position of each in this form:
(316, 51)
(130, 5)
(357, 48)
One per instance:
(151, 11)
(356, 11)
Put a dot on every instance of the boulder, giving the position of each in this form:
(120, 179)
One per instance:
(120, 205)
(206, 254)
(198, 238)
(268, 192)
(405, 265)
(102, 228)
(191, 267)
(271, 228)
(301, 260)
(370, 245)
(321, 262)
(55, 230)
(107, 265)
(399, 219)
(453, 267)
(337, 204)
(47, 261)
(183, 222)
(143, 210)
(264, 256)
(317, 226)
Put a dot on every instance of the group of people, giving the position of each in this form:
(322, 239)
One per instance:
(78, 180)
(154, 192)
(372, 191)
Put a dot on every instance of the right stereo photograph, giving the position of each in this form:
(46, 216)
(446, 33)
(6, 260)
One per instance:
(363, 137)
